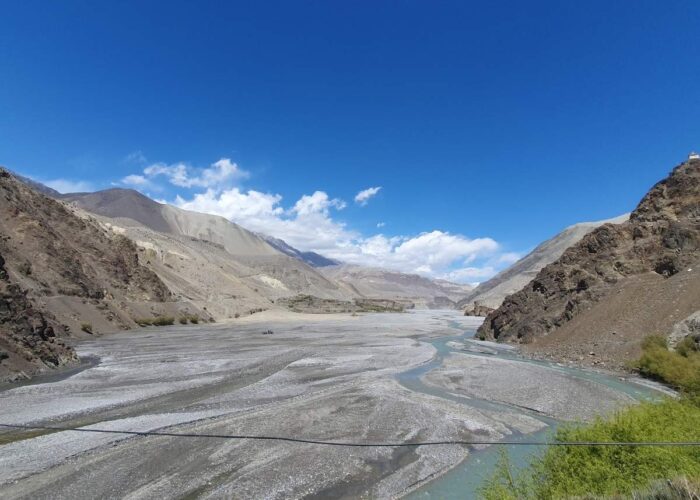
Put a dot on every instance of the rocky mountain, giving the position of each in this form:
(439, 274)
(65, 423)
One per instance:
(128, 206)
(620, 283)
(380, 283)
(490, 294)
(311, 258)
(216, 264)
(65, 275)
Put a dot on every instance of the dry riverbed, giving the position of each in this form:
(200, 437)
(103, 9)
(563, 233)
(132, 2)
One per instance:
(328, 378)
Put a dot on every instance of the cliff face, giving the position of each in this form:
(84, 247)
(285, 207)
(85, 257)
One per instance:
(59, 271)
(659, 243)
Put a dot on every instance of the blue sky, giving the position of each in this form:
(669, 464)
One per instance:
(488, 126)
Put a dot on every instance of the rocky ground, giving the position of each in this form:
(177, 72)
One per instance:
(478, 310)
(331, 379)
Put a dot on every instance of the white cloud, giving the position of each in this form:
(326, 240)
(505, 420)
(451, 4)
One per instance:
(182, 175)
(363, 196)
(135, 157)
(317, 203)
(469, 274)
(136, 180)
(68, 186)
(509, 258)
(309, 225)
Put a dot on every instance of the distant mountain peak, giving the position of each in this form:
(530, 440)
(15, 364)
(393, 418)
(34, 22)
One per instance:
(312, 258)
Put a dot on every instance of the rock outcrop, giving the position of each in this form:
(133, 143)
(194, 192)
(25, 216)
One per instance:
(477, 309)
(689, 327)
(29, 339)
(658, 250)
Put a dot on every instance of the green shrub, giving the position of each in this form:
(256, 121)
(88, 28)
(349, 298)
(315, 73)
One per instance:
(86, 327)
(164, 321)
(183, 320)
(680, 369)
(157, 321)
(566, 471)
(569, 471)
(688, 347)
(194, 319)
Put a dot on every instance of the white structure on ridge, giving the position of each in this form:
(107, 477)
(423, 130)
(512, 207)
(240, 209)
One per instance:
(694, 156)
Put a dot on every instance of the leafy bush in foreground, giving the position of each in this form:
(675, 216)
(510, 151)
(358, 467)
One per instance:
(589, 471)
(680, 369)
(566, 471)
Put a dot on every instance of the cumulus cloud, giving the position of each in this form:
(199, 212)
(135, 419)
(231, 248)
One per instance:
(319, 202)
(218, 174)
(309, 225)
(67, 186)
(364, 196)
(135, 180)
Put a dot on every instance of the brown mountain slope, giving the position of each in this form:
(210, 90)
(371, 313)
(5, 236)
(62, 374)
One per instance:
(491, 293)
(28, 337)
(61, 269)
(128, 205)
(618, 284)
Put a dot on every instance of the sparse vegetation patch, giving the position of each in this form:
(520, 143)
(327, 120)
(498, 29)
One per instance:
(157, 321)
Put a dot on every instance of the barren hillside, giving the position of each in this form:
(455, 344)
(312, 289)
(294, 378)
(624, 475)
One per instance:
(619, 284)
(66, 275)
(381, 283)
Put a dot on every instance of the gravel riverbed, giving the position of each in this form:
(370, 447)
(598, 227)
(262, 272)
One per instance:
(333, 379)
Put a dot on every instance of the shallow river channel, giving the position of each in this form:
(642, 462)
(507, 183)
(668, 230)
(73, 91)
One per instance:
(464, 480)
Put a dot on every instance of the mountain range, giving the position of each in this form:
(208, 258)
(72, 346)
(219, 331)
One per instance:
(83, 263)
(77, 264)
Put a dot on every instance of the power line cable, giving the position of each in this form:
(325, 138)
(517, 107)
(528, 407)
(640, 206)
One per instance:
(357, 445)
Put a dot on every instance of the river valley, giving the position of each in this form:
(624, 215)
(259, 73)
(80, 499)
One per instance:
(375, 378)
